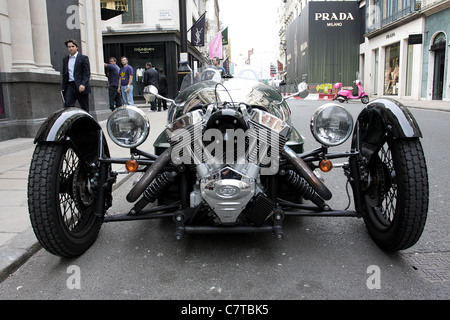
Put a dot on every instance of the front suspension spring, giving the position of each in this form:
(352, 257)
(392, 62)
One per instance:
(161, 183)
(299, 184)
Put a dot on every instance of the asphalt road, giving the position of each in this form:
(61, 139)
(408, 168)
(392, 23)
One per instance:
(319, 258)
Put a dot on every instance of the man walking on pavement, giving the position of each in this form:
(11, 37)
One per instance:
(216, 63)
(151, 77)
(75, 77)
(163, 90)
(112, 71)
(125, 83)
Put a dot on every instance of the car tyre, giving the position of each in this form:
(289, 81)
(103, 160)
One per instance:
(61, 205)
(396, 195)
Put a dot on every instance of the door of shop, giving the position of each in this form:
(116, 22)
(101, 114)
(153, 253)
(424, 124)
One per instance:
(438, 77)
(438, 47)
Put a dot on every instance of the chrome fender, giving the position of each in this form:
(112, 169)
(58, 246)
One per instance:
(380, 119)
(78, 127)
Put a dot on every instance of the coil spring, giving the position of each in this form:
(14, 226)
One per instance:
(160, 184)
(300, 184)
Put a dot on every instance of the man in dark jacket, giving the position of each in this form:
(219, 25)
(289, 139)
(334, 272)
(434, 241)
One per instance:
(163, 90)
(151, 77)
(75, 77)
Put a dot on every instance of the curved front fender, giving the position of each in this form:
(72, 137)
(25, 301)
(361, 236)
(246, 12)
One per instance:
(76, 125)
(384, 118)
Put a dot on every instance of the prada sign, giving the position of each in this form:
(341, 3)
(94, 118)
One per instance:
(333, 16)
(334, 19)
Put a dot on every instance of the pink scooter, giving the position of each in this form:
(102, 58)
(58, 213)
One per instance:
(345, 93)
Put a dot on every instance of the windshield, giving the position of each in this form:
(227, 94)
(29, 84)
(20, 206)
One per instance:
(248, 85)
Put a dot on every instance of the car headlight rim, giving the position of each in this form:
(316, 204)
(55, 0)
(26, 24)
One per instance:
(128, 126)
(339, 128)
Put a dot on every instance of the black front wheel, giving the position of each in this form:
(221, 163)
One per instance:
(61, 202)
(396, 194)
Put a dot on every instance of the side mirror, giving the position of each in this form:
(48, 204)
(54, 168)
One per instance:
(302, 91)
(151, 93)
(153, 90)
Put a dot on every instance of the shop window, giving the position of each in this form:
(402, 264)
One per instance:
(135, 12)
(118, 5)
(121, 5)
(383, 12)
(391, 69)
(439, 41)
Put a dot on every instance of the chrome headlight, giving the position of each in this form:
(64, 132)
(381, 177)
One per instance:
(331, 124)
(128, 126)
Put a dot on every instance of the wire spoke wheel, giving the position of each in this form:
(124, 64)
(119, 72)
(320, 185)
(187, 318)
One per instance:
(68, 209)
(60, 200)
(396, 194)
(382, 195)
(74, 195)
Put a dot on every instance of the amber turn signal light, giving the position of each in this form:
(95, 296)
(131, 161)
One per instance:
(326, 165)
(131, 165)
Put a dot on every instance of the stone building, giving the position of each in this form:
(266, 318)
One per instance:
(32, 36)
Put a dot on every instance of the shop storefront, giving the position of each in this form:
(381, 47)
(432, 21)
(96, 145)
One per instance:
(161, 49)
(436, 68)
(393, 61)
(138, 55)
(408, 58)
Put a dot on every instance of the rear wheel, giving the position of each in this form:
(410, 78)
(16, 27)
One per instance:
(61, 202)
(396, 194)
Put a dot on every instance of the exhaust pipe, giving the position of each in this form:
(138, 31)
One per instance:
(307, 173)
(149, 175)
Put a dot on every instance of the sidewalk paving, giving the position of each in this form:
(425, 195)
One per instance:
(17, 240)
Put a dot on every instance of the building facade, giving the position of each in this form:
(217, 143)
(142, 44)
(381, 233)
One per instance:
(32, 36)
(405, 53)
(320, 41)
(150, 32)
(404, 47)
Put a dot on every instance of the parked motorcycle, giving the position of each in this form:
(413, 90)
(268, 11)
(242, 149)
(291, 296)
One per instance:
(346, 93)
(230, 160)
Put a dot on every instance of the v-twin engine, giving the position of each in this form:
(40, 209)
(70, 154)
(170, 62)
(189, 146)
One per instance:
(229, 149)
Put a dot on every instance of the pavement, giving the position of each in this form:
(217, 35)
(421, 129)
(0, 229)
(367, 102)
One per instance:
(17, 240)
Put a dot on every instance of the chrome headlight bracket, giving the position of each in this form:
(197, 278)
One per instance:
(331, 124)
(128, 126)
